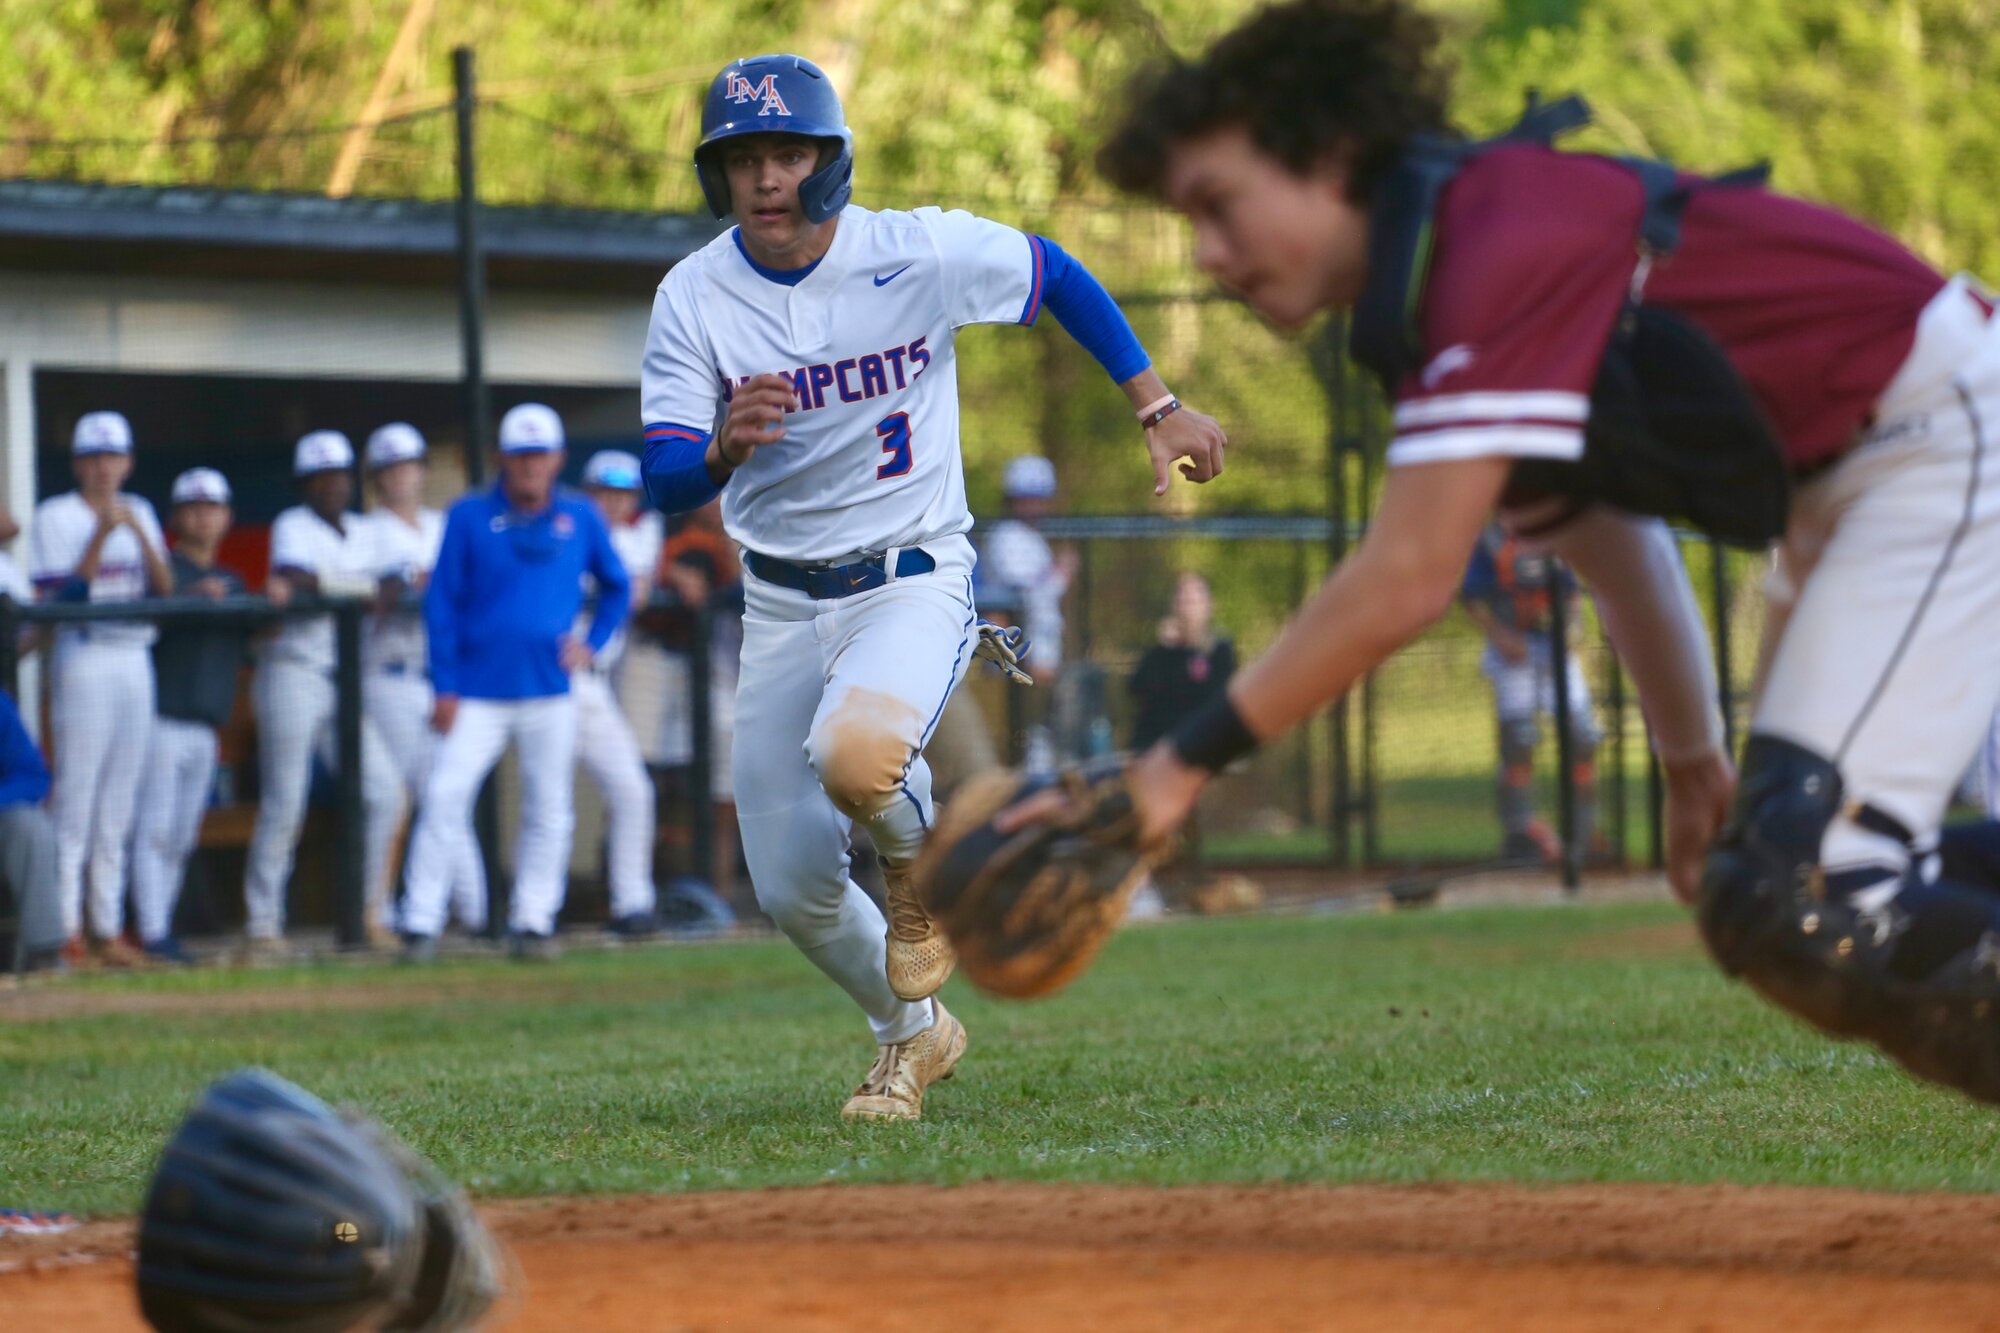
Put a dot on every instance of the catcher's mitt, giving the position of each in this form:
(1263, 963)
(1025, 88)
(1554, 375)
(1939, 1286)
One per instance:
(1029, 876)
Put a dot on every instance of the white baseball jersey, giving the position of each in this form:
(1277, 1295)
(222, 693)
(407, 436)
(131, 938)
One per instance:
(638, 546)
(398, 550)
(62, 530)
(302, 540)
(870, 460)
(1019, 558)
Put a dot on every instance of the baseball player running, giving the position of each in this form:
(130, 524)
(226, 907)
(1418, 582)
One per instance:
(403, 535)
(605, 744)
(804, 366)
(316, 547)
(1583, 339)
(1506, 591)
(196, 666)
(98, 544)
(501, 614)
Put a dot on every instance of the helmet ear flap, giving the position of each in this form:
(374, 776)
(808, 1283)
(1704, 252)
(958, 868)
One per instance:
(824, 193)
(714, 184)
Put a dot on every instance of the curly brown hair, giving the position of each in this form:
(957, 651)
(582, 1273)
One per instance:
(1304, 79)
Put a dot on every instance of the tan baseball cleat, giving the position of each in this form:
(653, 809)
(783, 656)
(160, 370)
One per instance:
(920, 957)
(894, 1088)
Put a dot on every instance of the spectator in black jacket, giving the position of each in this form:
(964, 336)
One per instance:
(1189, 666)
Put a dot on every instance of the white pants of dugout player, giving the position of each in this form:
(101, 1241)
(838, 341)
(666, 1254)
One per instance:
(399, 703)
(609, 752)
(296, 708)
(834, 703)
(180, 770)
(1885, 603)
(544, 732)
(101, 717)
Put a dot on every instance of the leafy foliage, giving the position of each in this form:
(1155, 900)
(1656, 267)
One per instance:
(1889, 109)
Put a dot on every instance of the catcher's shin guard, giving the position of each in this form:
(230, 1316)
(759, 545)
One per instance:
(1918, 974)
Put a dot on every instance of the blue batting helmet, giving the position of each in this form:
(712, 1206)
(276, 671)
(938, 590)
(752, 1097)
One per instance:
(776, 94)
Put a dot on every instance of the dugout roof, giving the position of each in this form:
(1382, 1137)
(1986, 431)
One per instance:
(177, 231)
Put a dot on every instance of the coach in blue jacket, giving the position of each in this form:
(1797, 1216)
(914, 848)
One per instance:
(502, 604)
(27, 849)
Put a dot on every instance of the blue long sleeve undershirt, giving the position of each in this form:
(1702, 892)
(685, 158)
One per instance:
(675, 468)
(1088, 314)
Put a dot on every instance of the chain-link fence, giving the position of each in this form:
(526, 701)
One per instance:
(1408, 769)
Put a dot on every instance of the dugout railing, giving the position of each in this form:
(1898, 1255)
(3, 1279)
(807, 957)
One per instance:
(24, 629)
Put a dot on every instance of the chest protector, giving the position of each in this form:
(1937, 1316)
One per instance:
(1673, 431)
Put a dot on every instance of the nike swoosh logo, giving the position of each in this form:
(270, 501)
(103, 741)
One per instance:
(884, 282)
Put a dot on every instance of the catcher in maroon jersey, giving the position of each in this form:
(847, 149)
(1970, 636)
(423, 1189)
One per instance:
(1588, 345)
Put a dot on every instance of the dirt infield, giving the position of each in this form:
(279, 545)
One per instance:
(1013, 1258)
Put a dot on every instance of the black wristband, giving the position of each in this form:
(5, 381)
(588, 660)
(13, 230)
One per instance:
(1212, 738)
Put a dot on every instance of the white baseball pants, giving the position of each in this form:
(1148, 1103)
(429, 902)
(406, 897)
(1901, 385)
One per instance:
(1888, 583)
(1524, 690)
(609, 752)
(400, 707)
(834, 704)
(101, 717)
(296, 707)
(180, 770)
(544, 732)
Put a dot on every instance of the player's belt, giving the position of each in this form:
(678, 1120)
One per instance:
(826, 581)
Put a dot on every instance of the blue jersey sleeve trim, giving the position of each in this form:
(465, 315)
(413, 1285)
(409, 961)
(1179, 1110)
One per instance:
(1082, 306)
(1038, 261)
(676, 468)
(787, 277)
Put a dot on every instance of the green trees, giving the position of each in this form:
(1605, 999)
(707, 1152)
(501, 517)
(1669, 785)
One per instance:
(1887, 108)
(1890, 108)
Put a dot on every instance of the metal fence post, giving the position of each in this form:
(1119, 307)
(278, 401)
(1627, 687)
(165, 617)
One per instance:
(1565, 745)
(1656, 855)
(701, 801)
(1339, 843)
(1370, 799)
(471, 276)
(1614, 704)
(10, 647)
(1724, 686)
(350, 868)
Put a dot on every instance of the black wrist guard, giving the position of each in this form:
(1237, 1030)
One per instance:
(1212, 738)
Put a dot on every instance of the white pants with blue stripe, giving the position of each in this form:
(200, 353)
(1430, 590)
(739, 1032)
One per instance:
(834, 704)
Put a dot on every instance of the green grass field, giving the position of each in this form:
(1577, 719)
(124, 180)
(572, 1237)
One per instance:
(1574, 1043)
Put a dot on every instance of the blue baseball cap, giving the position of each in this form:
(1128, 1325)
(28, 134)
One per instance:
(612, 469)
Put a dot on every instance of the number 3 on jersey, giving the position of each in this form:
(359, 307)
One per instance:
(894, 431)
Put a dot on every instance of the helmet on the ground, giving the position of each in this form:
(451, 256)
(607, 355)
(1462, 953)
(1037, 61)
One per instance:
(776, 94)
(271, 1211)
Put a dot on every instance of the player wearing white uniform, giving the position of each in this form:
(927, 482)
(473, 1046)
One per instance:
(804, 365)
(98, 544)
(501, 613)
(403, 535)
(605, 745)
(316, 547)
(1021, 560)
(1020, 566)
